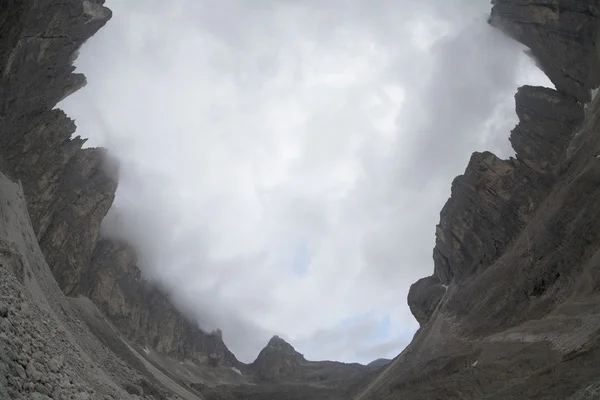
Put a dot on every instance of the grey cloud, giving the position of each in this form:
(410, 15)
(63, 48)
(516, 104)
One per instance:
(245, 128)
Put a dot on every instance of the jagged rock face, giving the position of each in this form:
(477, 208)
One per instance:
(547, 122)
(562, 38)
(36, 62)
(143, 313)
(491, 203)
(519, 241)
(278, 361)
(423, 298)
(67, 188)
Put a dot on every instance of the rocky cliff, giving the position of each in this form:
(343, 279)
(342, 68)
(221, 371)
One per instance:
(561, 35)
(69, 189)
(143, 312)
(513, 308)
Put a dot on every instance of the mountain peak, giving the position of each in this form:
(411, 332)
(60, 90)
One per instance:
(277, 342)
(277, 360)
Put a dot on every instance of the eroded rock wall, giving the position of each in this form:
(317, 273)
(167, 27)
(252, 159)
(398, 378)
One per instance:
(562, 36)
(69, 189)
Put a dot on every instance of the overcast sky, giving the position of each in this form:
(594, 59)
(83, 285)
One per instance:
(284, 162)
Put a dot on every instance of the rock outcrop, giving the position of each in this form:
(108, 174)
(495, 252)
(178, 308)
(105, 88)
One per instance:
(67, 188)
(518, 243)
(45, 350)
(424, 296)
(562, 37)
(494, 199)
(547, 121)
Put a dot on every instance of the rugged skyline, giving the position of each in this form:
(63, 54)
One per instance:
(283, 165)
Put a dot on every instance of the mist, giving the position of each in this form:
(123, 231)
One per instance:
(282, 165)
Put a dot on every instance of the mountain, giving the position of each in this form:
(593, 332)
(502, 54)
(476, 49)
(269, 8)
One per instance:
(69, 189)
(512, 310)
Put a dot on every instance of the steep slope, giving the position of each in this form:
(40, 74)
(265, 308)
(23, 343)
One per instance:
(45, 350)
(69, 189)
(562, 36)
(513, 308)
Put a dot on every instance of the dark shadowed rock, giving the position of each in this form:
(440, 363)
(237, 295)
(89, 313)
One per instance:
(547, 121)
(562, 38)
(423, 298)
(489, 205)
(67, 189)
(493, 200)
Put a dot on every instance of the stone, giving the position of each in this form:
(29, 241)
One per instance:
(55, 364)
(560, 38)
(5, 325)
(38, 396)
(14, 394)
(15, 382)
(42, 389)
(20, 371)
(424, 297)
(33, 373)
(81, 396)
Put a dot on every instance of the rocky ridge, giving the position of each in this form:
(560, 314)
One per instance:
(69, 189)
(46, 351)
(513, 308)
